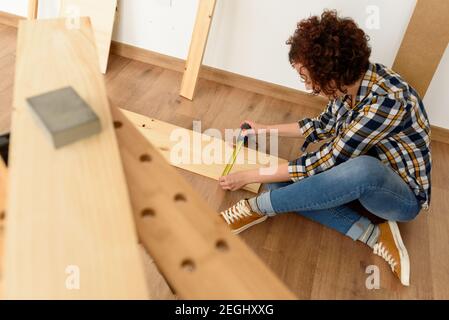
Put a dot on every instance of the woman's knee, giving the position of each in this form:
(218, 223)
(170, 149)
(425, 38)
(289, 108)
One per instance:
(391, 209)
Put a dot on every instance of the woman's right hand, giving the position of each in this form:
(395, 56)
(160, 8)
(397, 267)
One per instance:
(255, 127)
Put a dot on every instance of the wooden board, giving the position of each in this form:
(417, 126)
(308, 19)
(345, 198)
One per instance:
(33, 6)
(197, 47)
(190, 243)
(424, 43)
(68, 209)
(102, 15)
(3, 182)
(158, 134)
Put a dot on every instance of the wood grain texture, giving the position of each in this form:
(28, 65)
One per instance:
(165, 137)
(440, 134)
(67, 207)
(197, 47)
(3, 184)
(9, 19)
(8, 36)
(190, 243)
(234, 80)
(102, 15)
(313, 261)
(238, 81)
(33, 7)
(220, 76)
(424, 43)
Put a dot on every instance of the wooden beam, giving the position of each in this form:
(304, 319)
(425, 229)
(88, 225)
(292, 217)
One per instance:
(69, 216)
(102, 15)
(159, 133)
(197, 47)
(424, 43)
(190, 244)
(33, 8)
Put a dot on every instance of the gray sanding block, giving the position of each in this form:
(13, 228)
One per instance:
(65, 115)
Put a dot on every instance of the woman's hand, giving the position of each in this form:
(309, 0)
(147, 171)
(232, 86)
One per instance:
(255, 127)
(235, 181)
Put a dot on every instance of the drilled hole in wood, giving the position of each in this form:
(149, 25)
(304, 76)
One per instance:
(2, 215)
(147, 213)
(118, 124)
(180, 197)
(221, 245)
(188, 265)
(145, 158)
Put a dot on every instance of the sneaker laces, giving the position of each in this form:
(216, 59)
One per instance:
(236, 212)
(382, 251)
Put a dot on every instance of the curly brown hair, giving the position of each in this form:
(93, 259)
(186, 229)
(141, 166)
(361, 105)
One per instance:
(334, 51)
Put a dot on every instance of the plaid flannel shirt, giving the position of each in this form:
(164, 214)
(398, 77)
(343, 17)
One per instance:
(388, 121)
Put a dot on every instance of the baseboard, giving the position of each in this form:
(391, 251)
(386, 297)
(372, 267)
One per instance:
(9, 19)
(222, 76)
(440, 134)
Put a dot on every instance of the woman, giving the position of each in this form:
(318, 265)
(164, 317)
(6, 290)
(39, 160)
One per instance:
(378, 153)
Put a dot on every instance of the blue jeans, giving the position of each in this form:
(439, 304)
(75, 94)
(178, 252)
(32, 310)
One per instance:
(325, 197)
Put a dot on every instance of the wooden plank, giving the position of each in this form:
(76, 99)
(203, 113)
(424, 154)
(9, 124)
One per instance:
(33, 6)
(424, 43)
(102, 15)
(3, 181)
(197, 47)
(3, 184)
(191, 245)
(68, 209)
(159, 133)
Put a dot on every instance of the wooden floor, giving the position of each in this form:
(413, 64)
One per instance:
(315, 262)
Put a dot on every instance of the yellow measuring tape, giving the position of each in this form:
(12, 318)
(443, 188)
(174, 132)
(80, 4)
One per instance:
(238, 147)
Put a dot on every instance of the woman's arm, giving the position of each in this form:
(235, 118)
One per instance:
(238, 180)
(287, 130)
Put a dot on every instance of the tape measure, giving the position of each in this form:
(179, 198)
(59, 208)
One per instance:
(240, 142)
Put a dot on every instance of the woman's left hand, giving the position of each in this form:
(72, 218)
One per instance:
(235, 181)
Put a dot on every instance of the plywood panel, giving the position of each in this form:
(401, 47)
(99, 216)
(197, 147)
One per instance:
(102, 15)
(197, 47)
(164, 136)
(68, 209)
(424, 43)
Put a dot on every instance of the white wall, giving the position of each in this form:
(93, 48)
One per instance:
(437, 97)
(17, 7)
(248, 36)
